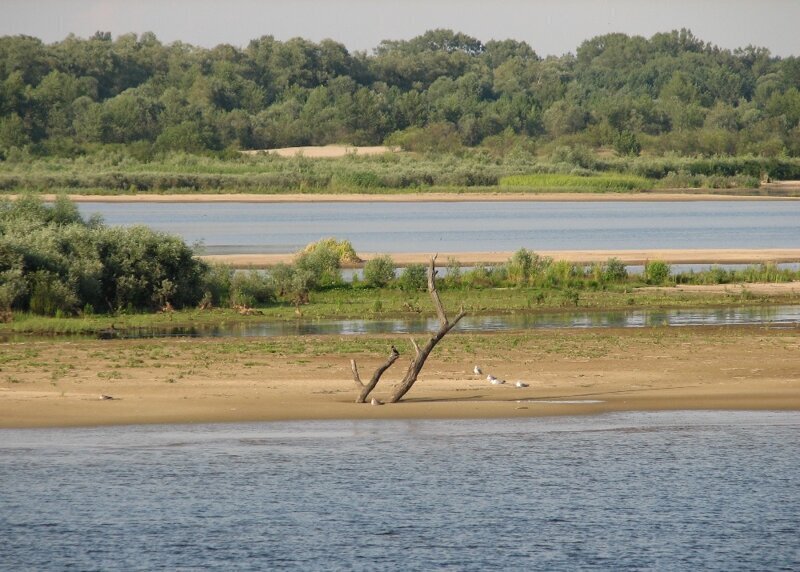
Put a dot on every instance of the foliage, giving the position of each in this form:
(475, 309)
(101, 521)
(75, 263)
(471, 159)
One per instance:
(252, 288)
(614, 271)
(656, 272)
(342, 249)
(413, 278)
(52, 261)
(379, 271)
(317, 267)
(440, 92)
(597, 183)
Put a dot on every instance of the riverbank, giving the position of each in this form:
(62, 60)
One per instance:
(688, 195)
(569, 372)
(629, 257)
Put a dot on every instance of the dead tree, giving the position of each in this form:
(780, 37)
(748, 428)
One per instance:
(422, 353)
(366, 389)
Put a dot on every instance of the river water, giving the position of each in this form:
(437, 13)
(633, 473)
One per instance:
(628, 491)
(227, 228)
(784, 316)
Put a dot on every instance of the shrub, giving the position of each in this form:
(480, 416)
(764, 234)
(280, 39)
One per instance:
(614, 270)
(452, 277)
(413, 278)
(66, 263)
(342, 248)
(217, 284)
(320, 266)
(50, 296)
(520, 266)
(379, 271)
(560, 273)
(251, 288)
(656, 272)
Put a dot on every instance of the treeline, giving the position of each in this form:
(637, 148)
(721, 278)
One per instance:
(441, 91)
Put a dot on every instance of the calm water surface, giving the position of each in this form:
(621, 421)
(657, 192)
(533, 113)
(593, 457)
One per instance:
(769, 316)
(632, 491)
(784, 316)
(468, 226)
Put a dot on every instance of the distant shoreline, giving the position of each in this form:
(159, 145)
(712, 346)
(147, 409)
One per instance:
(630, 257)
(421, 197)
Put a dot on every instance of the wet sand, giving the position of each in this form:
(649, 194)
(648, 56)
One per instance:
(569, 372)
(696, 256)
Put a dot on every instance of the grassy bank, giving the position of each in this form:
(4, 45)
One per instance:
(113, 171)
(347, 303)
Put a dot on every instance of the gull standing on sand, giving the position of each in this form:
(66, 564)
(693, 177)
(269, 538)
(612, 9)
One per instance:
(477, 370)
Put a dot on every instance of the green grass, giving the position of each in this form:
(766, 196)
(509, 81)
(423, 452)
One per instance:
(114, 171)
(349, 303)
(602, 183)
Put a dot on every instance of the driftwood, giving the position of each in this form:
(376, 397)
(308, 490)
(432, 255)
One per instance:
(366, 389)
(422, 354)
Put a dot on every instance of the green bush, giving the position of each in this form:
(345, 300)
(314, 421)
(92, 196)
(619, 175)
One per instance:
(614, 271)
(413, 278)
(50, 296)
(58, 263)
(379, 271)
(320, 266)
(252, 288)
(216, 284)
(656, 272)
(343, 249)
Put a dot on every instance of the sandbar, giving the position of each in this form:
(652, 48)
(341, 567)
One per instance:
(631, 257)
(569, 372)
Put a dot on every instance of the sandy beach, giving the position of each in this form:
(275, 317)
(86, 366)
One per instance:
(632, 257)
(569, 372)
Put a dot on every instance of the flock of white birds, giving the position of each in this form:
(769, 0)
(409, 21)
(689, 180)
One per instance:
(495, 381)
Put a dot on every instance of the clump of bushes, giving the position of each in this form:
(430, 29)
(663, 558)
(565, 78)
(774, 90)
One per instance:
(54, 262)
(379, 271)
(656, 272)
(343, 249)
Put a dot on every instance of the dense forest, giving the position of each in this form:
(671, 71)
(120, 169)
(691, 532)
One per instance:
(442, 91)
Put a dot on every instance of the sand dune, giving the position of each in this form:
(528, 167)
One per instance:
(324, 152)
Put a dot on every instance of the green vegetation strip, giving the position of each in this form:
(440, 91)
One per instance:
(607, 182)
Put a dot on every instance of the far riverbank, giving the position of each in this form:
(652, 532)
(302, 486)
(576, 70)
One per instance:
(648, 196)
(628, 257)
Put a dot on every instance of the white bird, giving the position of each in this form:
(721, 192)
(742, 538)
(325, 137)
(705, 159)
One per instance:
(494, 381)
(521, 384)
(490, 378)
(477, 370)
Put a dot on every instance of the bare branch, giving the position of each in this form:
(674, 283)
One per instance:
(445, 326)
(367, 389)
(356, 377)
(437, 302)
(414, 343)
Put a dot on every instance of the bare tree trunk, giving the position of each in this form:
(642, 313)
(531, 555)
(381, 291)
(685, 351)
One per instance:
(422, 354)
(367, 389)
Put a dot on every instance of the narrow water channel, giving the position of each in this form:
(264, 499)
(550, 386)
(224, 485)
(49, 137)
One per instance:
(784, 316)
